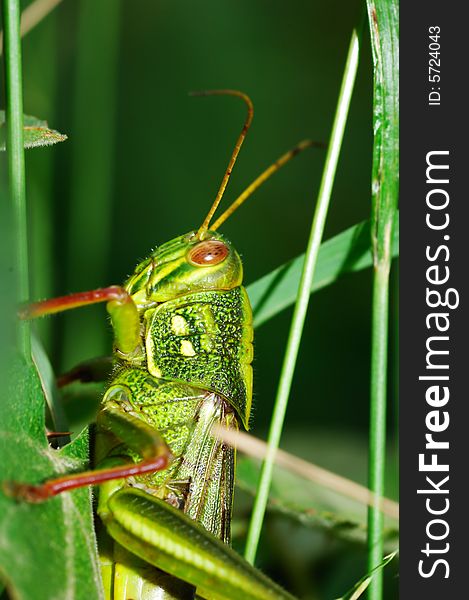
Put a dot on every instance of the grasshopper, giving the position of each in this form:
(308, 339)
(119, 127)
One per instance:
(183, 349)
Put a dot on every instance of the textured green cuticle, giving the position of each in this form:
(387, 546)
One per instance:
(167, 406)
(206, 339)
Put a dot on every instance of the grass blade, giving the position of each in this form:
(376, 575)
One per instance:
(15, 158)
(248, 444)
(35, 13)
(358, 589)
(342, 518)
(301, 306)
(346, 252)
(384, 26)
(32, 16)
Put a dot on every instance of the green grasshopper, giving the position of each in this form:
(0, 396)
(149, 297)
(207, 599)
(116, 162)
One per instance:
(182, 363)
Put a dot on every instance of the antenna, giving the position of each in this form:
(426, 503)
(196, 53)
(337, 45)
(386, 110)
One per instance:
(263, 176)
(205, 225)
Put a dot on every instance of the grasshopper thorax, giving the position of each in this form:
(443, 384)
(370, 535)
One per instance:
(187, 264)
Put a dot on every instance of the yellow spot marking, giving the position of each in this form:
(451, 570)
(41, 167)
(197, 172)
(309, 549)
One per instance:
(179, 325)
(187, 348)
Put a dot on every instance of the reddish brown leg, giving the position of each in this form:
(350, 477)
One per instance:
(96, 369)
(39, 493)
(55, 305)
(121, 307)
(55, 434)
(137, 434)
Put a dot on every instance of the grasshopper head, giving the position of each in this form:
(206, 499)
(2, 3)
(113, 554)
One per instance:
(201, 260)
(187, 264)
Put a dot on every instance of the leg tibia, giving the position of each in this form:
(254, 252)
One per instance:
(133, 432)
(121, 307)
(96, 369)
(39, 493)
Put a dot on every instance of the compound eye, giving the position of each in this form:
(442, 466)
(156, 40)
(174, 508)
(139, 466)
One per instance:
(209, 253)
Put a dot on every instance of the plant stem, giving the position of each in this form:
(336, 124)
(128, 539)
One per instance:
(379, 347)
(15, 158)
(383, 19)
(302, 301)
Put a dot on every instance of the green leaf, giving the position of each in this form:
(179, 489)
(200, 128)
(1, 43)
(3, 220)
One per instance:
(310, 504)
(35, 131)
(358, 589)
(49, 386)
(53, 541)
(346, 252)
